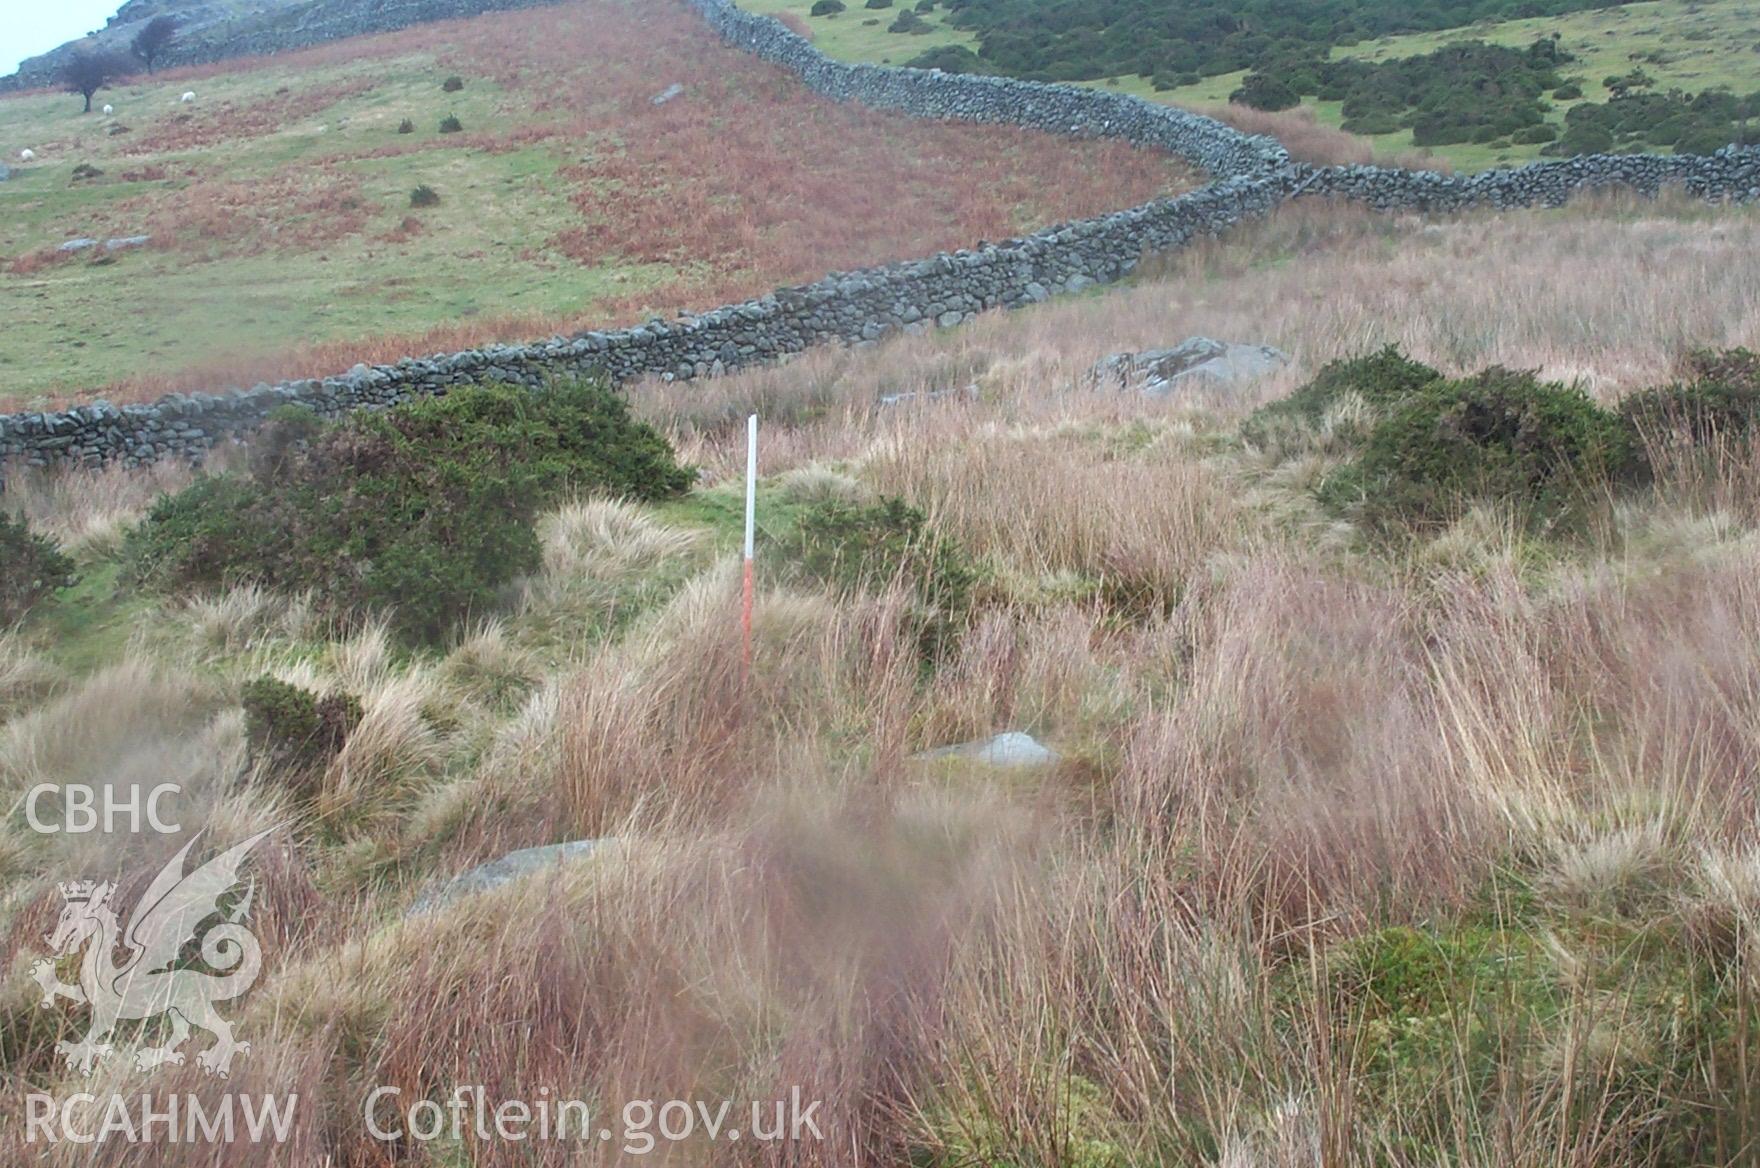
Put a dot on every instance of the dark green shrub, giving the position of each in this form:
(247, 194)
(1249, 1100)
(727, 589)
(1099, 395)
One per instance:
(909, 22)
(452, 84)
(424, 196)
(292, 729)
(31, 567)
(1373, 123)
(406, 127)
(878, 4)
(1377, 380)
(1569, 91)
(1543, 449)
(948, 59)
(451, 125)
(1265, 92)
(868, 546)
(285, 433)
(826, 8)
(424, 511)
(1721, 402)
(1534, 135)
(1734, 367)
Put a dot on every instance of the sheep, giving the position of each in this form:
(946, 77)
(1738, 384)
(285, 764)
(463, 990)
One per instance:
(108, 110)
(188, 97)
(26, 155)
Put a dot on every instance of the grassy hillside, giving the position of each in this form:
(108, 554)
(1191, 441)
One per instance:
(1435, 849)
(284, 240)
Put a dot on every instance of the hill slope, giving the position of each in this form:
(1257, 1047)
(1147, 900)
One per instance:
(284, 241)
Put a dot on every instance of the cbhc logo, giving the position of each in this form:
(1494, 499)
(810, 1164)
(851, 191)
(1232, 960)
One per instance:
(83, 808)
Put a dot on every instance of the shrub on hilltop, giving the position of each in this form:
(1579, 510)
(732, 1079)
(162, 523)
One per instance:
(425, 511)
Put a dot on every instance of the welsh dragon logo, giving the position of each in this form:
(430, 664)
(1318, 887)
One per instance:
(154, 980)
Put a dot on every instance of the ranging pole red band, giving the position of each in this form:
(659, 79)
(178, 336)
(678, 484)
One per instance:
(751, 531)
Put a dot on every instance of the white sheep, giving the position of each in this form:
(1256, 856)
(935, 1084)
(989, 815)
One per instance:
(108, 110)
(27, 155)
(188, 97)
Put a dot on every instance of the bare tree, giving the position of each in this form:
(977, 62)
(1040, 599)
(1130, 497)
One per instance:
(86, 73)
(150, 43)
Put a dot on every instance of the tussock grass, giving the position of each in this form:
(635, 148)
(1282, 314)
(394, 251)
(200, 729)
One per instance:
(1436, 852)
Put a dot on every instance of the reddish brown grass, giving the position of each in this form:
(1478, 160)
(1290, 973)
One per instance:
(236, 121)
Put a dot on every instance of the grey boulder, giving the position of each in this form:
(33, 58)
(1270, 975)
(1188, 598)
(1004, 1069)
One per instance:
(1199, 362)
(509, 868)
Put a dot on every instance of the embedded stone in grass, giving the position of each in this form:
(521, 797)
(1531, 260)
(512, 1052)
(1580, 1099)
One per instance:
(496, 873)
(667, 94)
(1011, 748)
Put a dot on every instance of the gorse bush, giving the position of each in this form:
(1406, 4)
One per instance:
(424, 196)
(826, 7)
(406, 127)
(451, 125)
(1420, 447)
(1543, 449)
(452, 84)
(292, 729)
(31, 567)
(871, 546)
(1720, 404)
(425, 511)
(1344, 398)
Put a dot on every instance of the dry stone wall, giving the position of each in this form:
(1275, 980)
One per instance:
(1251, 176)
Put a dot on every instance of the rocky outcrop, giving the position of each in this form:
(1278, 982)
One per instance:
(1195, 363)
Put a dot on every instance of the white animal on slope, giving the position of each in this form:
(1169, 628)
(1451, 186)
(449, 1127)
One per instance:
(26, 155)
(189, 96)
(108, 110)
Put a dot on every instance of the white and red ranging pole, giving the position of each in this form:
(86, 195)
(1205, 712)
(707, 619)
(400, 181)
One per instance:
(751, 531)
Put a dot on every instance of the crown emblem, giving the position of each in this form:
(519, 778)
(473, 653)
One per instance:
(78, 890)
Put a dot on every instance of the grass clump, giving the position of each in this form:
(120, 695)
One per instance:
(293, 729)
(406, 126)
(424, 196)
(435, 499)
(31, 567)
(1502, 437)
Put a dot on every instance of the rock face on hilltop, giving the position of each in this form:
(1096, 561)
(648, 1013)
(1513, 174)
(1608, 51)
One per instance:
(199, 22)
(214, 30)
